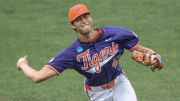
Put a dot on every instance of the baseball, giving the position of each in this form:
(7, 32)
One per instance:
(20, 60)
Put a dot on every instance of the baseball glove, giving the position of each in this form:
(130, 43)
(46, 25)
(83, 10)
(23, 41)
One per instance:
(153, 60)
(158, 64)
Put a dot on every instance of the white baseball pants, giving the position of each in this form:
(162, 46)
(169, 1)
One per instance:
(121, 91)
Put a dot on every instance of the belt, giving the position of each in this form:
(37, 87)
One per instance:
(103, 87)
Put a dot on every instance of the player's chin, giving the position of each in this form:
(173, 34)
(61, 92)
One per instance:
(86, 29)
(85, 32)
(86, 26)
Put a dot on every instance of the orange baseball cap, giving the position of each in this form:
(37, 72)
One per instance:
(76, 11)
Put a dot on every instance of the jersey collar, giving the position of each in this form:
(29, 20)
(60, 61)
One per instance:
(99, 34)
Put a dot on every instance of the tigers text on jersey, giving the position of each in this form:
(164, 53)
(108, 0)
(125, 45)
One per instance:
(96, 60)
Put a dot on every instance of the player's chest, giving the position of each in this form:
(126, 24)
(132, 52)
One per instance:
(93, 56)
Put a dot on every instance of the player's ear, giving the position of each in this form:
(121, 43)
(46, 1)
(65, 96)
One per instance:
(72, 25)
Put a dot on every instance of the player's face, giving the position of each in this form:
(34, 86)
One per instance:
(83, 24)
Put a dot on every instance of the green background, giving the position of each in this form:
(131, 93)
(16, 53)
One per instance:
(40, 29)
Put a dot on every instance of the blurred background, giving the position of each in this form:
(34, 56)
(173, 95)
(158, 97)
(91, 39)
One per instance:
(40, 29)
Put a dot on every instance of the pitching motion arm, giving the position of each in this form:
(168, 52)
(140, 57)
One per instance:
(34, 75)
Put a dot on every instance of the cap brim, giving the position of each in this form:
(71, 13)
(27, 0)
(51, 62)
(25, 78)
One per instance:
(80, 15)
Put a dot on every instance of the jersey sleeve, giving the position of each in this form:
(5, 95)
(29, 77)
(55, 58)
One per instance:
(131, 41)
(126, 37)
(61, 62)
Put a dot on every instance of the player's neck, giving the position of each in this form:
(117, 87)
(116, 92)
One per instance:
(88, 37)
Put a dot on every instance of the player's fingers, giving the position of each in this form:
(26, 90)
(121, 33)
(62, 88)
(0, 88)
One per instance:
(25, 57)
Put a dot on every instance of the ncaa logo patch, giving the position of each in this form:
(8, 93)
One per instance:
(79, 49)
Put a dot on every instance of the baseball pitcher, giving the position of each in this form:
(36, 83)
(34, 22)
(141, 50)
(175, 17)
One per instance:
(95, 55)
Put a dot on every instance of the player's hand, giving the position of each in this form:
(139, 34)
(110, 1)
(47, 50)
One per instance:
(143, 58)
(158, 63)
(22, 62)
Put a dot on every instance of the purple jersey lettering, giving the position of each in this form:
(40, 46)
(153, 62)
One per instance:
(97, 59)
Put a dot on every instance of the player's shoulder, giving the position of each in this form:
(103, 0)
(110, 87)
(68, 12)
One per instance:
(117, 31)
(113, 28)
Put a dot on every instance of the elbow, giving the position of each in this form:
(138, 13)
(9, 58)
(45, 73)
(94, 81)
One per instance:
(36, 79)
